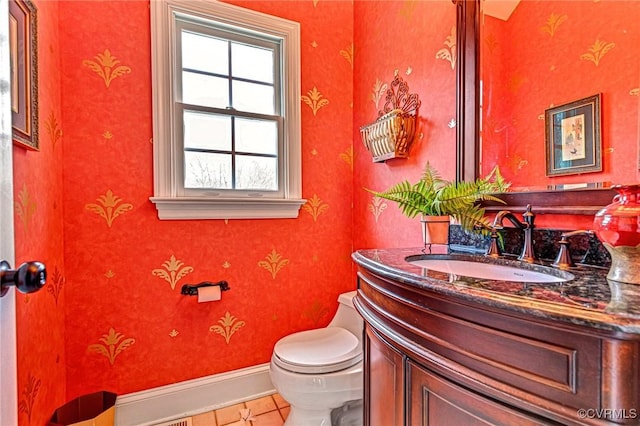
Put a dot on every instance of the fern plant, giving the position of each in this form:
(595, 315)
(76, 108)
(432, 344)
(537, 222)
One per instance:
(434, 196)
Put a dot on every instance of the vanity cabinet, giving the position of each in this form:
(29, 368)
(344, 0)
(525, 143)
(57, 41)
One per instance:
(436, 358)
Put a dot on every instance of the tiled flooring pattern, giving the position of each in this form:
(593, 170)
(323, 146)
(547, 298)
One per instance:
(270, 410)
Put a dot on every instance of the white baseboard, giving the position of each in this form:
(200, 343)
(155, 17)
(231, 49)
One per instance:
(192, 397)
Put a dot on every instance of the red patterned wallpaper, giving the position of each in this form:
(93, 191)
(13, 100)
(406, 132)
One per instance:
(552, 53)
(415, 40)
(124, 272)
(120, 322)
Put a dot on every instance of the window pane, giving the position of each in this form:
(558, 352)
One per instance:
(204, 53)
(207, 131)
(252, 97)
(256, 136)
(252, 63)
(257, 173)
(205, 170)
(198, 89)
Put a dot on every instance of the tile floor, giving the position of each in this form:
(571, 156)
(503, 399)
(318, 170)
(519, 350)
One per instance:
(270, 410)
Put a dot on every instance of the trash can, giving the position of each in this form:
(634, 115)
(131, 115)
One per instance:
(96, 409)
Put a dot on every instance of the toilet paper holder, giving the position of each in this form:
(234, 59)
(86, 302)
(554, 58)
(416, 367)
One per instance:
(192, 289)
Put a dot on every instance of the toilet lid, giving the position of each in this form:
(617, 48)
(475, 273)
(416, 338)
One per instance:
(322, 350)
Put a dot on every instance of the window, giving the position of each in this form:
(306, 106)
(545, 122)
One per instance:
(226, 112)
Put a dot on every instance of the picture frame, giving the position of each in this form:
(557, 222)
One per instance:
(23, 49)
(573, 137)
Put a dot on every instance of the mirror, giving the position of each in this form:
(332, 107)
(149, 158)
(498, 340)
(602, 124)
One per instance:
(548, 66)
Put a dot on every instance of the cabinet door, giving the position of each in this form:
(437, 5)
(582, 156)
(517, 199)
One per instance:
(384, 383)
(436, 401)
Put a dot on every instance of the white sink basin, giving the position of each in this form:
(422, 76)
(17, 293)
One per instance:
(489, 271)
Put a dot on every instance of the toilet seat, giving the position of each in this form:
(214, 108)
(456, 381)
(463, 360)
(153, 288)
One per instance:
(323, 350)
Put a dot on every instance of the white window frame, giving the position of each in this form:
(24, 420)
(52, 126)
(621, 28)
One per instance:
(167, 145)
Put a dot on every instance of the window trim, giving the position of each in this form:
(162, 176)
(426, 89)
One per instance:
(169, 203)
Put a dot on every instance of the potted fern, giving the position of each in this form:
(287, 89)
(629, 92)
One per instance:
(438, 200)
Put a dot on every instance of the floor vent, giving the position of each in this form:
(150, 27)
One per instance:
(185, 421)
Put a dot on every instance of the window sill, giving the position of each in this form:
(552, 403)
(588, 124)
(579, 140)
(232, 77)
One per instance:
(230, 208)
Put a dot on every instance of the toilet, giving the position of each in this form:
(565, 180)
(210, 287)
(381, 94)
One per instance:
(319, 370)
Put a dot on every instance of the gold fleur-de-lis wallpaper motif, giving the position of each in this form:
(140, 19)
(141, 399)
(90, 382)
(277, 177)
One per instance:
(407, 9)
(55, 284)
(449, 53)
(635, 92)
(377, 206)
(108, 207)
(173, 271)
(347, 157)
(516, 162)
(106, 66)
(55, 133)
(29, 394)
(379, 89)
(347, 53)
(597, 51)
(228, 326)
(274, 263)
(315, 207)
(490, 42)
(174, 333)
(515, 83)
(25, 207)
(111, 345)
(107, 135)
(553, 22)
(109, 274)
(316, 312)
(314, 100)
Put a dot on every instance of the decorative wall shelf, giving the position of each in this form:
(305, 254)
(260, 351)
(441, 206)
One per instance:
(392, 134)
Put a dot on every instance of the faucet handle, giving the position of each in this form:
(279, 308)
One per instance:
(494, 249)
(563, 259)
(528, 216)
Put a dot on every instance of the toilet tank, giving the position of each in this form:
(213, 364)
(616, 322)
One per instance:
(346, 315)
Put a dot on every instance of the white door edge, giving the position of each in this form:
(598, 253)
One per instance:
(8, 363)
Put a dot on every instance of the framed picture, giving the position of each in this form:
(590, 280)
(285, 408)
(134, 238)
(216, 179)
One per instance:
(573, 139)
(23, 50)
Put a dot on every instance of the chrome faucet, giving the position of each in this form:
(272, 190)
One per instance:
(527, 255)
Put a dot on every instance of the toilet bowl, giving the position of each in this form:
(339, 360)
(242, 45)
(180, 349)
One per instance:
(319, 370)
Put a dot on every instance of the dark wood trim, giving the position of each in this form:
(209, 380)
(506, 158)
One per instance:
(467, 90)
(575, 202)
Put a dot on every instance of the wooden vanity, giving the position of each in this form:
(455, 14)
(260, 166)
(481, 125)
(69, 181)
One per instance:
(443, 350)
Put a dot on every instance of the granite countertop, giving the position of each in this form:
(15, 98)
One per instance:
(588, 299)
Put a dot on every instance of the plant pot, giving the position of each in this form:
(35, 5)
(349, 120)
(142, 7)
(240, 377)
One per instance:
(435, 229)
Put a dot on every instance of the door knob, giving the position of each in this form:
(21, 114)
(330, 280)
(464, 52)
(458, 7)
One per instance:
(29, 277)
